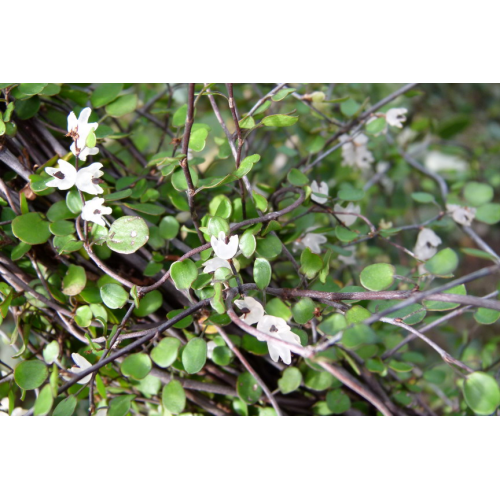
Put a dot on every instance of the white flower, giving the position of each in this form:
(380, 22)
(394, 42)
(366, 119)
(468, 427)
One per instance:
(210, 348)
(396, 117)
(81, 365)
(436, 161)
(321, 189)
(354, 151)
(387, 183)
(212, 265)
(278, 328)
(349, 260)
(252, 310)
(427, 243)
(313, 242)
(348, 220)
(87, 179)
(462, 215)
(93, 210)
(222, 249)
(79, 130)
(64, 175)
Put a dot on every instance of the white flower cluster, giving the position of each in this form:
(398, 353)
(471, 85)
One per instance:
(253, 312)
(462, 215)
(86, 179)
(355, 152)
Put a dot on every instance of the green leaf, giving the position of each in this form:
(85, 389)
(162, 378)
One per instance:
(489, 213)
(248, 389)
(194, 355)
(122, 106)
(290, 380)
(44, 401)
(74, 201)
(20, 251)
(149, 304)
(62, 228)
(337, 402)
(221, 355)
(32, 88)
(248, 244)
(169, 227)
(349, 108)
(247, 122)
(198, 139)
(262, 273)
(332, 325)
(377, 277)
(276, 307)
(183, 274)
(27, 109)
(246, 165)
(399, 366)
(179, 118)
(443, 263)
(83, 316)
(105, 93)
(216, 225)
(303, 311)
(74, 281)
(173, 397)
(269, 247)
(30, 374)
(351, 194)
(279, 120)
(422, 197)
(311, 263)
(120, 406)
(179, 179)
(297, 178)
(358, 334)
(165, 353)
(281, 94)
(357, 314)
(113, 295)
(477, 193)
(31, 228)
(51, 352)
(486, 316)
(65, 408)
(344, 234)
(127, 234)
(136, 365)
(376, 126)
(481, 393)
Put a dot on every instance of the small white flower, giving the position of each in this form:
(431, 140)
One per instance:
(349, 260)
(64, 175)
(313, 241)
(222, 249)
(252, 310)
(87, 179)
(462, 215)
(348, 220)
(436, 161)
(355, 152)
(79, 130)
(93, 211)
(81, 365)
(278, 328)
(212, 265)
(321, 189)
(396, 117)
(427, 243)
(210, 348)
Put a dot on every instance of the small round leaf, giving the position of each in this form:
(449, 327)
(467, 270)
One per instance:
(377, 277)
(30, 374)
(127, 234)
